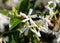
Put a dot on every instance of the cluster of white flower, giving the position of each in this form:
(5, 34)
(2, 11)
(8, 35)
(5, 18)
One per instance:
(43, 23)
(31, 24)
(28, 17)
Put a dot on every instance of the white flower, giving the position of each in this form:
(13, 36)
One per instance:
(28, 17)
(28, 26)
(50, 9)
(6, 38)
(4, 20)
(31, 23)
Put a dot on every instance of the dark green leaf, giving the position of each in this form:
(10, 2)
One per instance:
(23, 6)
(14, 22)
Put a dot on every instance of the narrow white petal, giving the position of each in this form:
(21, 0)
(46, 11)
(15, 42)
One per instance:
(22, 30)
(30, 12)
(26, 32)
(24, 15)
(32, 22)
(25, 20)
(44, 29)
(34, 16)
(37, 33)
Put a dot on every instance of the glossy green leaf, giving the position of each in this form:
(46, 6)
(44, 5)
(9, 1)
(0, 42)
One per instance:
(23, 6)
(14, 22)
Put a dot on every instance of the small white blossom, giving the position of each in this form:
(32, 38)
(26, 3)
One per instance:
(6, 38)
(4, 20)
(28, 17)
(28, 27)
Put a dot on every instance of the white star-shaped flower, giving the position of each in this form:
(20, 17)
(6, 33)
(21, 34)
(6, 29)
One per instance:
(28, 26)
(28, 17)
(31, 24)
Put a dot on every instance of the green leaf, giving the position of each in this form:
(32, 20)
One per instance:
(34, 40)
(13, 41)
(23, 6)
(14, 22)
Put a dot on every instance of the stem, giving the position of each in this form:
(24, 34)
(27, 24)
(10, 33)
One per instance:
(8, 32)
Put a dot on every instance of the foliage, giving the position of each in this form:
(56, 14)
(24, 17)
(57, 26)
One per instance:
(22, 27)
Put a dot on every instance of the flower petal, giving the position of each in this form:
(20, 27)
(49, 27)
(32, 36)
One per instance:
(22, 30)
(25, 20)
(30, 12)
(26, 32)
(44, 29)
(37, 33)
(24, 15)
(32, 23)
